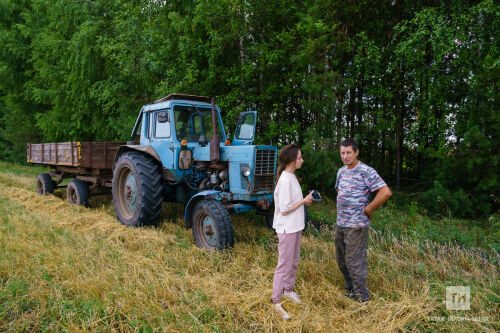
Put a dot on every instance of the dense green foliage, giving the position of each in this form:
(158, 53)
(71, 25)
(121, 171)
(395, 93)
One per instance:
(415, 83)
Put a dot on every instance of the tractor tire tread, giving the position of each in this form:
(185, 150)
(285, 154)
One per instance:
(222, 219)
(149, 187)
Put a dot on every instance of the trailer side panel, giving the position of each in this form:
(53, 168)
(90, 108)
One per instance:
(95, 155)
(98, 155)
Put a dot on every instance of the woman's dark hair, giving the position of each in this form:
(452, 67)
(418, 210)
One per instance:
(288, 154)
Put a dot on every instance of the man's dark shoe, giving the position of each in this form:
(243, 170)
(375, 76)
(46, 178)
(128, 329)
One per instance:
(361, 300)
(349, 294)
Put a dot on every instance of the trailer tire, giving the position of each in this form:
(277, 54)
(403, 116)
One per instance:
(77, 193)
(137, 190)
(212, 226)
(44, 184)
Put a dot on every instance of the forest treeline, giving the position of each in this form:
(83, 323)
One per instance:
(415, 83)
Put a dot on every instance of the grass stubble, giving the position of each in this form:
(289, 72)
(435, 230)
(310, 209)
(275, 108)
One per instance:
(67, 268)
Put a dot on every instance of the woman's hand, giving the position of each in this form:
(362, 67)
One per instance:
(309, 199)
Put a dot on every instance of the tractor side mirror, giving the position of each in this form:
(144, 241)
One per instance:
(162, 117)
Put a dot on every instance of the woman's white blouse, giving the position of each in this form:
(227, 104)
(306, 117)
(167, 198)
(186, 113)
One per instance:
(286, 194)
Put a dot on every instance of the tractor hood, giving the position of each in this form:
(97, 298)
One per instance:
(260, 159)
(229, 153)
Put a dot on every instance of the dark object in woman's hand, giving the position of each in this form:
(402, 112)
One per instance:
(316, 196)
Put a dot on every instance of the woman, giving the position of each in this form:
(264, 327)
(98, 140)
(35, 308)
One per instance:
(288, 223)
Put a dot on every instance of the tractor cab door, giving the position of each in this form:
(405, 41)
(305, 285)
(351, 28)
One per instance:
(160, 135)
(245, 128)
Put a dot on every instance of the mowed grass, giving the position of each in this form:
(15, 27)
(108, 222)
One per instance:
(67, 268)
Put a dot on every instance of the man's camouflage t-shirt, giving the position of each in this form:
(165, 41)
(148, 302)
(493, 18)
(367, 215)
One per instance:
(354, 187)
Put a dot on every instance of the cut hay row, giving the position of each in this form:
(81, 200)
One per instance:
(76, 269)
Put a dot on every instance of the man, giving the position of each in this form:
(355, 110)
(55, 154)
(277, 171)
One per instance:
(355, 181)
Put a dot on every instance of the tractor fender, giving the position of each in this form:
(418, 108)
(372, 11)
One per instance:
(148, 150)
(193, 201)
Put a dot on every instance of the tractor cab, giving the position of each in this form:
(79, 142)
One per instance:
(197, 166)
(177, 120)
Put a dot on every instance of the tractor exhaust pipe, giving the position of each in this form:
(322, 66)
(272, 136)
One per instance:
(214, 140)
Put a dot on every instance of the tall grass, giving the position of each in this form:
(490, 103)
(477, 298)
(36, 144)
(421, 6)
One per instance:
(66, 268)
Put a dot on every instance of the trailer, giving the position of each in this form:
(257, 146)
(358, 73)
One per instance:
(90, 164)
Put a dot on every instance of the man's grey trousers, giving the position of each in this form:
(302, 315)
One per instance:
(350, 246)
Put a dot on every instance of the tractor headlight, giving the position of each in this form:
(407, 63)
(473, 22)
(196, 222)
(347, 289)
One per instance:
(245, 170)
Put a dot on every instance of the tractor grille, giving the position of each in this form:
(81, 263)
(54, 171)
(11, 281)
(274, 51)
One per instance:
(265, 161)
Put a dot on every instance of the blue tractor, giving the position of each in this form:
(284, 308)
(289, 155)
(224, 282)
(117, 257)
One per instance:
(184, 156)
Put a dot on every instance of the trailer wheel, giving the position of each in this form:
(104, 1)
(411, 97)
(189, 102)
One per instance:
(77, 193)
(137, 190)
(212, 226)
(44, 184)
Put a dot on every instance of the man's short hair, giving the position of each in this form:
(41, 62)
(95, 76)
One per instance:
(349, 142)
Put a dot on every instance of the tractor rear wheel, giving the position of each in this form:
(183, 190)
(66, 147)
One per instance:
(44, 184)
(77, 193)
(212, 226)
(137, 190)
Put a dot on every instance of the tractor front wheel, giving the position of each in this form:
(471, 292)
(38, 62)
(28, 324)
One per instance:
(212, 226)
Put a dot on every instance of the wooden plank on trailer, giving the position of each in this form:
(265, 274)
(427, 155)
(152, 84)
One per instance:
(105, 150)
(93, 155)
(90, 154)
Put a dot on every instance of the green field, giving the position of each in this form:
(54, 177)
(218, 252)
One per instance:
(67, 268)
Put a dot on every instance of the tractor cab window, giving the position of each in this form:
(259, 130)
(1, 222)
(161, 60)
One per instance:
(162, 124)
(191, 123)
(150, 124)
(136, 135)
(246, 127)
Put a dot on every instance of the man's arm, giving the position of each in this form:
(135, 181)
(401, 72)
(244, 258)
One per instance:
(383, 194)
